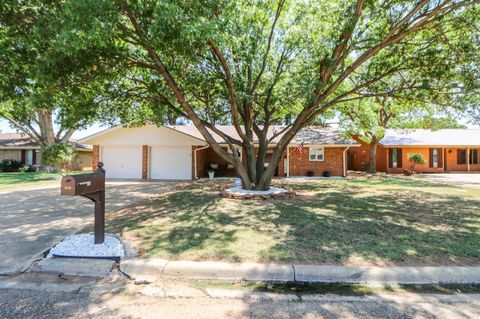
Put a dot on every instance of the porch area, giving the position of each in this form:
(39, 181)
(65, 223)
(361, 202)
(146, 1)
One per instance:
(207, 160)
(462, 160)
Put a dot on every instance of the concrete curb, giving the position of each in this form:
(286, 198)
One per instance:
(140, 268)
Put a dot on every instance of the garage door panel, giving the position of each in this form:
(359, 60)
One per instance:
(122, 161)
(168, 162)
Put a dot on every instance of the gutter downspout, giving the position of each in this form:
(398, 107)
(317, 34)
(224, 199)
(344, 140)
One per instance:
(345, 161)
(195, 159)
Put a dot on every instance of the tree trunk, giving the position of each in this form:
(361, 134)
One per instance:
(45, 123)
(372, 168)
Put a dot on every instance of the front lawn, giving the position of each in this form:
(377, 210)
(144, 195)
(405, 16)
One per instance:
(9, 181)
(382, 220)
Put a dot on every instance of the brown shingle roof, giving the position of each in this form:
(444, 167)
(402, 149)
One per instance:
(23, 141)
(311, 135)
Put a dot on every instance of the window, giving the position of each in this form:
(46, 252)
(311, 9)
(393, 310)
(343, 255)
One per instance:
(29, 157)
(461, 157)
(474, 158)
(316, 154)
(394, 157)
(435, 157)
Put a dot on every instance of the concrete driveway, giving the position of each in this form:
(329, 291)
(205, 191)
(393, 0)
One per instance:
(31, 221)
(471, 179)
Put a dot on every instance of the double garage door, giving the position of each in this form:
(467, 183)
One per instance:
(164, 162)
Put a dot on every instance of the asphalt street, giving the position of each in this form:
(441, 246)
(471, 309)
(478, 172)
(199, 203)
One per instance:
(32, 304)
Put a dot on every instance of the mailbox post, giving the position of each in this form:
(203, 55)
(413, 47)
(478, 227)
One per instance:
(91, 186)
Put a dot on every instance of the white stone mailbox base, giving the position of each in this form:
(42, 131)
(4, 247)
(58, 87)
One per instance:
(82, 245)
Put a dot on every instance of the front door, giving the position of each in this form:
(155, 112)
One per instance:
(350, 158)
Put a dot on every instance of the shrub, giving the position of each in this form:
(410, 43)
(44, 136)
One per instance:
(27, 168)
(414, 159)
(8, 165)
(61, 156)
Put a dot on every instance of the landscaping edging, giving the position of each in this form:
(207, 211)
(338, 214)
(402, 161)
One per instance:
(284, 195)
(144, 268)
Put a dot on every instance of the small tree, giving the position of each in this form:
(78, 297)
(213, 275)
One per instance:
(61, 156)
(414, 159)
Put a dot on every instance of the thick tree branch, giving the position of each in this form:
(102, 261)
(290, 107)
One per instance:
(231, 89)
(181, 99)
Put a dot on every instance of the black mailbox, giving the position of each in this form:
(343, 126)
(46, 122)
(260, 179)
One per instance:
(91, 186)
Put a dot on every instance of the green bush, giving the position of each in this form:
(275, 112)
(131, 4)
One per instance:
(27, 168)
(415, 159)
(61, 156)
(8, 165)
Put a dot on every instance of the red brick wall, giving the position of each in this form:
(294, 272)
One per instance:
(95, 156)
(333, 162)
(144, 161)
(382, 157)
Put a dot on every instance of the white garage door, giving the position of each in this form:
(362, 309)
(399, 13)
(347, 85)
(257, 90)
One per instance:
(122, 161)
(168, 162)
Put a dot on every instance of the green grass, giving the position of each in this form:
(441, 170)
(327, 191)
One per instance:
(20, 180)
(380, 221)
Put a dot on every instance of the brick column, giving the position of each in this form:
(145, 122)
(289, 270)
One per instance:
(145, 162)
(95, 156)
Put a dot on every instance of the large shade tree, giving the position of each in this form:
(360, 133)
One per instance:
(46, 99)
(255, 63)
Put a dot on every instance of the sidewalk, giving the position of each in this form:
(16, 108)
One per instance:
(146, 269)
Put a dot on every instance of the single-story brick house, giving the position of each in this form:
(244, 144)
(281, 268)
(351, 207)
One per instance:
(447, 150)
(22, 148)
(180, 152)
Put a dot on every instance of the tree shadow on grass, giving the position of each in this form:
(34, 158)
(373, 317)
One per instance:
(338, 224)
(180, 221)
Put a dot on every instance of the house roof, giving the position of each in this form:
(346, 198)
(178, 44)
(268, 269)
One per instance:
(226, 129)
(311, 135)
(315, 135)
(23, 141)
(422, 137)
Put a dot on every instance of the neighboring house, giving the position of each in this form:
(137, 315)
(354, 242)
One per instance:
(180, 152)
(20, 147)
(448, 150)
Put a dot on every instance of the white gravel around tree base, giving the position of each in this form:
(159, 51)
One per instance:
(271, 191)
(82, 245)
